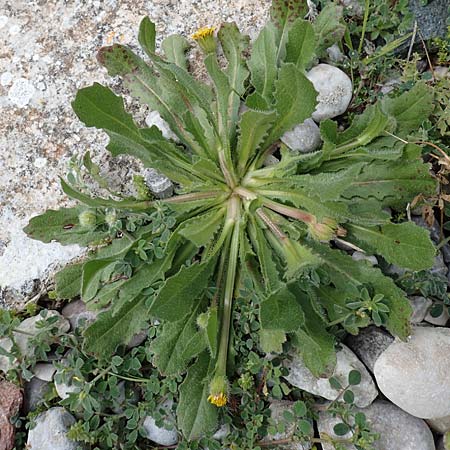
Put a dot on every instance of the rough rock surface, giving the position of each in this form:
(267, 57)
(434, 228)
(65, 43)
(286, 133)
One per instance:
(301, 377)
(10, 403)
(431, 17)
(414, 375)
(303, 138)
(398, 430)
(34, 392)
(76, 311)
(334, 88)
(48, 53)
(25, 264)
(420, 306)
(369, 344)
(50, 431)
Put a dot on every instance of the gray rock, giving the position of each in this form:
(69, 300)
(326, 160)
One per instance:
(439, 267)
(161, 435)
(441, 425)
(76, 311)
(369, 344)
(159, 184)
(334, 54)
(440, 320)
(301, 377)
(271, 160)
(51, 430)
(277, 408)
(325, 425)
(28, 326)
(334, 88)
(398, 430)
(431, 18)
(420, 306)
(137, 339)
(414, 375)
(435, 231)
(360, 256)
(35, 391)
(353, 8)
(44, 371)
(303, 138)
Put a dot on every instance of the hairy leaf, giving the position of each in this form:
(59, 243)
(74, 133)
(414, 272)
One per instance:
(175, 48)
(180, 292)
(301, 44)
(108, 331)
(404, 244)
(147, 35)
(196, 416)
(177, 344)
(329, 27)
(68, 281)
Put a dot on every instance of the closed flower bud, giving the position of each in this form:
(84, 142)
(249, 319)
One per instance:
(111, 217)
(323, 231)
(87, 219)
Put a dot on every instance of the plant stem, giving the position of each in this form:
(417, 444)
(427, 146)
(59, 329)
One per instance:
(221, 365)
(364, 26)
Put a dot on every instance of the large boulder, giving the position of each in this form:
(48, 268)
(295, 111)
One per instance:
(414, 375)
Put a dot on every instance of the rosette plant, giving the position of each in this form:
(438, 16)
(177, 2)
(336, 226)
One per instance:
(235, 222)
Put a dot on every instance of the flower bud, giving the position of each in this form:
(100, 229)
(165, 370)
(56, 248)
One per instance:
(87, 219)
(323, 231)
(111, 217)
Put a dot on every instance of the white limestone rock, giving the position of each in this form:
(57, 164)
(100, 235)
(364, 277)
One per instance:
(161, 435)
(335, 91)
(51, 430)
(21, 92)
(360, 256)
(398, 430)
(440, 320)
(414, 375)
(301, 377)
(44, 371)
(303, 138)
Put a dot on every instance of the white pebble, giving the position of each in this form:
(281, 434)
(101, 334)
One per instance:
(154, 118)
(303, 138)
(39, 163)
(6, 78)
(21, 92)
(15, 29)
(334, 88)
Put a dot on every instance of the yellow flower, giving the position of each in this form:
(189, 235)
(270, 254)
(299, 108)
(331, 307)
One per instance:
(218, 399)
(202, 33)
(217, 391)
(205, 39)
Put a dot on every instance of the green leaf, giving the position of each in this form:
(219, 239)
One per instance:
(301, 44)
(147, 35)
(396, 183)
(411, 108)
(271, 341)
(349, 276)
(254, 127)
(295, 100)
(63, 226)
(354, 377)
(349, 397)
(175, 48)
(263, 63)
(68, 281)
(201, 229)
(177, 344)
(404, 244)
(233, 45)
(283, 13)
(108, 331)
(196, 416)
(313, 342)
(99, 107)
(329, 27)
(92, 276)
(281, 311)
(179, 293)
(341, 429)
